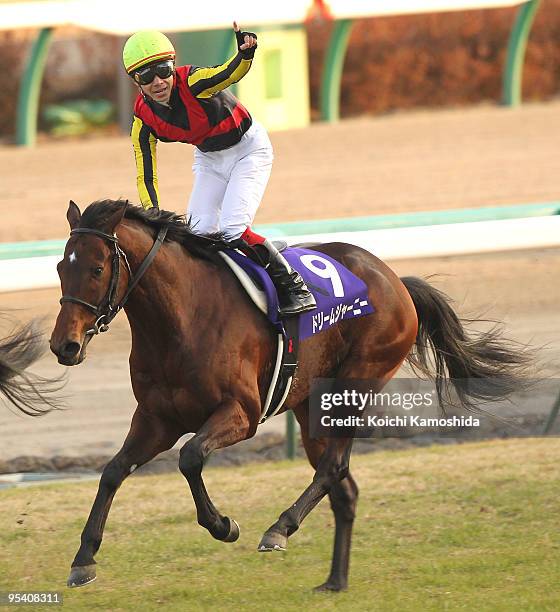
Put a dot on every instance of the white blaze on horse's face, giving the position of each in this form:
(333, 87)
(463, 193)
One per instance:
(72, 257)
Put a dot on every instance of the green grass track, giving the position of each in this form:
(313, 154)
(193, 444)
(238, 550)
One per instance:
(468, 527)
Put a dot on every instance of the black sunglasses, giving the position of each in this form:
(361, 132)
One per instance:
(144, 76)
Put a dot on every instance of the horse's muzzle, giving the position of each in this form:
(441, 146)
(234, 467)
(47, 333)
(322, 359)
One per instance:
(70, 352)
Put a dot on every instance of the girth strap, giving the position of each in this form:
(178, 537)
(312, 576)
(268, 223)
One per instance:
(285, 369)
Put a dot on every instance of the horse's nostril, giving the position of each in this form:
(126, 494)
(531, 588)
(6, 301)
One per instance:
(70, 349)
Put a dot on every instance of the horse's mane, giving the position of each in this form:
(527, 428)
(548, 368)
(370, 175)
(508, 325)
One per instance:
(179, 228)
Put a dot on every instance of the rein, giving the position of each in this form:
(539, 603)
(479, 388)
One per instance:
(107, 310)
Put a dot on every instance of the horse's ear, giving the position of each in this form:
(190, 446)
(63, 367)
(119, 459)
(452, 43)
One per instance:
(73, 215)
(115, 219)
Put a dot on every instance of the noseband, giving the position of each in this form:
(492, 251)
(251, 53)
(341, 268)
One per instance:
(107, 309)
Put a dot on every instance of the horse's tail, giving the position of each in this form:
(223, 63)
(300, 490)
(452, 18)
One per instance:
(480, 366)
(32, 394)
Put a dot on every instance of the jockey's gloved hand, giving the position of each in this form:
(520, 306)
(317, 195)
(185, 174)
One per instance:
(246, 42)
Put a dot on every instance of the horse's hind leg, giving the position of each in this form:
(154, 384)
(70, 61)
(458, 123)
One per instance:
(226, 426)
(343, 497)
(147, 437)
(331, 469)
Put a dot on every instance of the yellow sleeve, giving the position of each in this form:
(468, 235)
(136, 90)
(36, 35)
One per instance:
(205, 82)
(144, 144)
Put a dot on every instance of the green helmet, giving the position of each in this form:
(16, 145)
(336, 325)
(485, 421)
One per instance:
(146, 47)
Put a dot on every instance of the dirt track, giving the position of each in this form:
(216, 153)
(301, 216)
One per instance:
(419, 161)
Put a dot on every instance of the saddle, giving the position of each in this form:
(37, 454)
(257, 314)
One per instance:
(339, 294)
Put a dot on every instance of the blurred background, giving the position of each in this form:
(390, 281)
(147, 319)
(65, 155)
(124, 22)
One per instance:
(438, 59)
(443, 108)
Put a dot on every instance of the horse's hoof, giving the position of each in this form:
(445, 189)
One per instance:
(81, 575)
(329, 587)
(272, 540)
(233, 534)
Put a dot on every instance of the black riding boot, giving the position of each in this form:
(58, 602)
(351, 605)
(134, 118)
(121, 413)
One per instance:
(293, 294)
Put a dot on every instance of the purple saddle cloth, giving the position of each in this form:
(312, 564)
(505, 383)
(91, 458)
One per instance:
(339, 293)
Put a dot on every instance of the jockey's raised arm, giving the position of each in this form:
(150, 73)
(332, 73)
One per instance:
(233, 154)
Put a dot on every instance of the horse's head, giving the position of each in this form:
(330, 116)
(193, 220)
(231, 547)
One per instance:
(91, 282)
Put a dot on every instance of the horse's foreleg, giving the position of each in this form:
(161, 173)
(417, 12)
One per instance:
(226, 426)
(147, 437)
(331, 469)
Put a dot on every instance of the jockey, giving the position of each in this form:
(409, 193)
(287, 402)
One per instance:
(233, 154)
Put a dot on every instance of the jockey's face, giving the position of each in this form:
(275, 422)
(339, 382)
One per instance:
(159, 89)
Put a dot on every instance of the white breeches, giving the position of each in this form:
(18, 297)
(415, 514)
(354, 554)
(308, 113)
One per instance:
(229, 185)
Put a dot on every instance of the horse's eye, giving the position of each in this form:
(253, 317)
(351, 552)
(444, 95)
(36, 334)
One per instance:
(98, 271)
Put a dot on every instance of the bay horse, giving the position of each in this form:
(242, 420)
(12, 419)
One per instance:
(31, 394)
(202, 358)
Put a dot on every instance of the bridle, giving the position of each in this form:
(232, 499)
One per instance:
(108, 309)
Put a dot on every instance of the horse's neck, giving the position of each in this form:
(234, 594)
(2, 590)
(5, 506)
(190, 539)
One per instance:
(167, 302)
